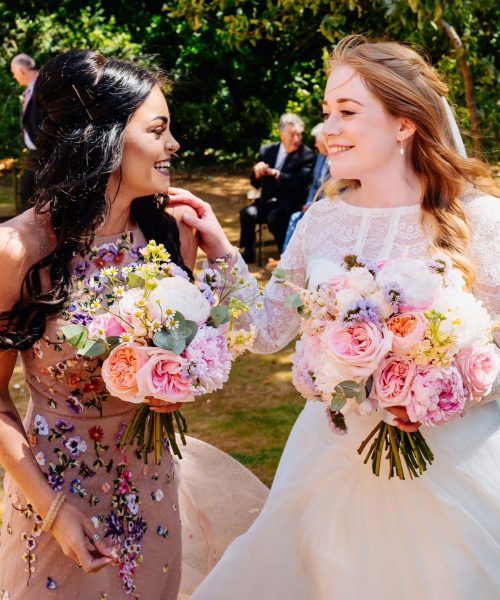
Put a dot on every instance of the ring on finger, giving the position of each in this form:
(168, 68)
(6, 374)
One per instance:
(94, 538)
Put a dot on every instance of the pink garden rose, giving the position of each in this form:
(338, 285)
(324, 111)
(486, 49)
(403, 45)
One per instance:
(209, 360)
(119, 372)
(161, 377)
(478, 367)
(392, 381)
(437, 394)
(106, 323)
(336, 283)
(409, 329)
(126, 308)
(304, 361)
(350, 353)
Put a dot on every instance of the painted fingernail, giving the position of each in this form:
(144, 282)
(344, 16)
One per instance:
(186, 217)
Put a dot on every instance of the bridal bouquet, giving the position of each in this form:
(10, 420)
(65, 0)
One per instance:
(164, 339)
(403, 332)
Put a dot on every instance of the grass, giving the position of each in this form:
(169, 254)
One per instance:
(252, 416)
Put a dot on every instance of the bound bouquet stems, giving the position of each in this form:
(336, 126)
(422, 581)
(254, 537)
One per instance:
(148, 429)
(397, 446)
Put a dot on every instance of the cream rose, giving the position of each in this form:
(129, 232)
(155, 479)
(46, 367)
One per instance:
(179, 295)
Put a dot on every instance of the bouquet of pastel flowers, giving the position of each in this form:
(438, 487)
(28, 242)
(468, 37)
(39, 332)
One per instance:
(403, 332)
(163, 339)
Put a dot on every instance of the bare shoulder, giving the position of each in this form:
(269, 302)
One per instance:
(24, 240)
(187, 234)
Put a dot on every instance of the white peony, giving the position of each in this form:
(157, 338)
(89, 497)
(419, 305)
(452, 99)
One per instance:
(419, 286)
(466, 318)
(179, 295)
(345, 298)
(360, 280)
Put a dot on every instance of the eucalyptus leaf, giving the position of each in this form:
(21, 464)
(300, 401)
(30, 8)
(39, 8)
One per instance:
(219, 314)
(193, 331)
(293, 301)
(279, 274)
(76, 335)
(161, 339)
(350, 388)
(113, 341)
(338, 402)
(169, 341)
(93, 348)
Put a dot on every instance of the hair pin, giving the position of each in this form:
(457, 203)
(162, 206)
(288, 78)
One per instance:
(82, 102)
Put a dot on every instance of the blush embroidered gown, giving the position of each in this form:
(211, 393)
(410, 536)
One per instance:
(330, 529)
(74, 428)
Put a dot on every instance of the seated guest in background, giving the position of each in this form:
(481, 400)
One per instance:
(23, 69)
(321, 173)
(283, 173)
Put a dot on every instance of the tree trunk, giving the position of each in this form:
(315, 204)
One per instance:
(468, 85)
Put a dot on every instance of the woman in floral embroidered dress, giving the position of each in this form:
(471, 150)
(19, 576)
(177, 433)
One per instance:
(104, 150)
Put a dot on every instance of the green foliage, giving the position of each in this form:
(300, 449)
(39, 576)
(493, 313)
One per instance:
(237, 64)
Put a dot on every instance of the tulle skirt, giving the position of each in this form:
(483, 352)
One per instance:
(332, 530)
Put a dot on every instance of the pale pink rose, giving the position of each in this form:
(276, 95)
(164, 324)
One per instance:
(304, 361)
(161, 377)
(119, 372)
(392, 381)
(437, 394)
(351, 353)
(409, 329)
(336, 283)
(126, 308)
(108, 323)
(478, 367)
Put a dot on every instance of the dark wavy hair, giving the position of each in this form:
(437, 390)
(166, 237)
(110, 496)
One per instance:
(86, 101)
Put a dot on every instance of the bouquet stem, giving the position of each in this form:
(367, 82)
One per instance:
(149, 428)
(411, 447)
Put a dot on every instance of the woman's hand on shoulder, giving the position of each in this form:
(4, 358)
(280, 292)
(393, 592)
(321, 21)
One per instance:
(187, 233)
(212, 239)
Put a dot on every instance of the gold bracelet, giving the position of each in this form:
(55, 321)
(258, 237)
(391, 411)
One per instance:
(54, 509)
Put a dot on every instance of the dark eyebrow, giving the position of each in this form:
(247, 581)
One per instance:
(161, 118)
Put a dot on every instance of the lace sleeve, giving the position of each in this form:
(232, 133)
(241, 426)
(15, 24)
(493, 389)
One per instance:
(483, 212)
(277, 325)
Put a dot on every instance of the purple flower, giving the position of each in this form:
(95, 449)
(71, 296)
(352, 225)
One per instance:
(64, 425)
(80, 269)
(394, 295)
(75, 445)
(137, 529)
(114, 528)
(55, 481)
(75, 486)
(81, 319)
(107, 253)
(134, 252)
(74, 404)
(94, 282)
(360, 311)
(176, 271)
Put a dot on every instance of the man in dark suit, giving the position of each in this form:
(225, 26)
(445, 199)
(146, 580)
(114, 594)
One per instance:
(24, 70)
(283, 173)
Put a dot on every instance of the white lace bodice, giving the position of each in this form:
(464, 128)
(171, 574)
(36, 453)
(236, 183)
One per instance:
(332, 228)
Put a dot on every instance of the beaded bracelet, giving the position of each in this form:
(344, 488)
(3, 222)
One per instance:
(54, 509)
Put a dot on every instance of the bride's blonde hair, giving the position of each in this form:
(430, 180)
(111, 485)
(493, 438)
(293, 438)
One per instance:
(408, 87)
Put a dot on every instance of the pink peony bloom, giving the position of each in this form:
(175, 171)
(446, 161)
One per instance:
(437, 394)
(351, 353)
(107, 323)
(119, 372)
(304, 361)
(478, 367)
(409, 329)
(392, 381)
(161, 377)
(209, 360)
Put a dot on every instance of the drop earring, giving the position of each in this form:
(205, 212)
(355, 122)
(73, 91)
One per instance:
(401, 148)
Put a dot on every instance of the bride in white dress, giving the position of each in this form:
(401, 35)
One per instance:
(330, 529)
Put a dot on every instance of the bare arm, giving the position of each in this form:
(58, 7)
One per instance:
(71, 527)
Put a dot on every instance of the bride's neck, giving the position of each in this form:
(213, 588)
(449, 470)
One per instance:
(119, 218)
(387, 190)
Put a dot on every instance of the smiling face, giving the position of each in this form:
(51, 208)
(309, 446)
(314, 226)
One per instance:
(147, 149)
(361, 136)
